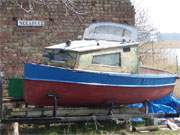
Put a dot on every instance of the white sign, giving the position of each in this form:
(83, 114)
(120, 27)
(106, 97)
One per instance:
(30, 23)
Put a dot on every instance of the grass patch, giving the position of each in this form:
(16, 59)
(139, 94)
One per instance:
(89, 129)
(80, 129)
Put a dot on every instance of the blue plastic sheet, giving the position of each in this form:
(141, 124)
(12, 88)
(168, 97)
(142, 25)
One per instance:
(160, 109)
(166, 105)
(137, 119)
(136, 106)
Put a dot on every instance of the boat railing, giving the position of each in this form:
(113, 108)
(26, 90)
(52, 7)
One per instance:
(150, 70)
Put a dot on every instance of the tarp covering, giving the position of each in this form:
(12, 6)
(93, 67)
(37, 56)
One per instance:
(166, 105)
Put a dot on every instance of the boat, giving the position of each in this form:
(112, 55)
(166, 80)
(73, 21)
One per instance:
(99, 70)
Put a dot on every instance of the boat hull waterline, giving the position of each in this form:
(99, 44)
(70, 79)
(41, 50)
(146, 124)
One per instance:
(76, 90)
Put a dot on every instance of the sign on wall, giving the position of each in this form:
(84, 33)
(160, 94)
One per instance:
(30, 23)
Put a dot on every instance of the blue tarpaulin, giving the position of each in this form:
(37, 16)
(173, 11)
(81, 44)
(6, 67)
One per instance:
(166, 105)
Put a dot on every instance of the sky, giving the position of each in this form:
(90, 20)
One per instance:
(163, 14)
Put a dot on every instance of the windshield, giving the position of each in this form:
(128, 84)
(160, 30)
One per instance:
(110, 31)
(116, 31)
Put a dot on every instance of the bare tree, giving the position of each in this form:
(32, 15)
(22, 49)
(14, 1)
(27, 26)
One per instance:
(29, 6)
(147, 33)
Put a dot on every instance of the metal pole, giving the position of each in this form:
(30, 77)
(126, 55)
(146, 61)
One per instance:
(55, 106)
(153, 53)
(177, 66)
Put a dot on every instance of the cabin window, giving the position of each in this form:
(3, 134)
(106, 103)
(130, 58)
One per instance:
(112, 59)
(61, 58)
(59, 55)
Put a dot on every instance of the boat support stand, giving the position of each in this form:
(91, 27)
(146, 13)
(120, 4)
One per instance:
(55, 103)
(145, 103)
(111, 106)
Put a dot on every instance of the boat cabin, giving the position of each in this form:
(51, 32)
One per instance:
(106, 47)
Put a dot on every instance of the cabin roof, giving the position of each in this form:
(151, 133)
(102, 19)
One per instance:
(89, 45)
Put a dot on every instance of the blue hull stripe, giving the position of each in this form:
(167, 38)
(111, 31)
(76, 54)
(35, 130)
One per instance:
(54, 74)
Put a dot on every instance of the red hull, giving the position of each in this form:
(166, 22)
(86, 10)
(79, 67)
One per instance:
(88, 95)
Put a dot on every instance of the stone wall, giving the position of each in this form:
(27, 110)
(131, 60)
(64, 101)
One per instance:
(19, 45)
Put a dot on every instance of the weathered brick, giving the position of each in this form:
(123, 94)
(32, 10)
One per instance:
(22, 44)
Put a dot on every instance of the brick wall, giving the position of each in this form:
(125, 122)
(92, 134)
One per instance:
(25, 44)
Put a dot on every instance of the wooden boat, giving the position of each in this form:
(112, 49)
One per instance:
(101, 69)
